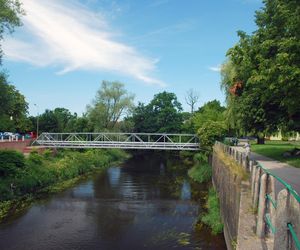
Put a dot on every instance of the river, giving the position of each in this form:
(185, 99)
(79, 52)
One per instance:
(140, 205)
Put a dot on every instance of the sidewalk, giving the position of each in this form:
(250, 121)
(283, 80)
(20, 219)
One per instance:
(289, 174)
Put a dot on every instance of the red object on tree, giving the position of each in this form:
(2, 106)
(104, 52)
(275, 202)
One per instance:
(236, 89)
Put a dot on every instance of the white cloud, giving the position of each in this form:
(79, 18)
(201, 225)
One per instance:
(72, 37)
(215, 68)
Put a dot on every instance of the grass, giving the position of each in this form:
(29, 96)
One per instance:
(233, 166)
(213, 218)
(275, 150)
(201, 171)
(42, 174)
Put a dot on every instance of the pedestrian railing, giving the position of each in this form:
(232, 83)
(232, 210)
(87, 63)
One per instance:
(274, 200)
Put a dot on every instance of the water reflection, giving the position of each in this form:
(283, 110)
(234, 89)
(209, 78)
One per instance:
(138, 206)
(114, 176)
(186, 191)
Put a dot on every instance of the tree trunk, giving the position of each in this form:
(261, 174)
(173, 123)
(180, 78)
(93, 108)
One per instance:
(260, 140)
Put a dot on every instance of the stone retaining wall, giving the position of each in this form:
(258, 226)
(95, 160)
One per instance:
(228, 186)
(254, 216)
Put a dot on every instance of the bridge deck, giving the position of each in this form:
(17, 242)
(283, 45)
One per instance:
(119, 140)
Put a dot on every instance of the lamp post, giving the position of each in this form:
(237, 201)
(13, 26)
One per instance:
(37, 120)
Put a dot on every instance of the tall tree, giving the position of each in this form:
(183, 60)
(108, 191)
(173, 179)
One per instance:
(266, 81)
(13, 105)
(211, 111)
(112, 101)
(162, 114)
(10, 10)
(191, 99)
(58, 120)
(13, 109)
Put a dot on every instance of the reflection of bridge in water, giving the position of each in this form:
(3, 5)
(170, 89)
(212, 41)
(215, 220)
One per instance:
(119, 140)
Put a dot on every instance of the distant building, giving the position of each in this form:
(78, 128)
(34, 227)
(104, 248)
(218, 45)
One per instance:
(293, 136)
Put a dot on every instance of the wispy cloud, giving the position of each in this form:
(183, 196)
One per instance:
(72, 37)
(174, 29)
(215, 68)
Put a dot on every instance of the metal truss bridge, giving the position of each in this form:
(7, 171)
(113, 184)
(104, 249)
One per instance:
(119, 140)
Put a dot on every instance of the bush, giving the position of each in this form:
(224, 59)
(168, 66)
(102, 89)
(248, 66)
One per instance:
(11, 161)
(35, 159)
(210, 132)
(213, 217)
(43, 170)
(200, 158)
(201, 173)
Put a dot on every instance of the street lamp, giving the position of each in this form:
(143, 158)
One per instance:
(37, 121)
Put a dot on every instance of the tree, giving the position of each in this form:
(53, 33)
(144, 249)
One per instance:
(112, 101)
(211, 111)
(264, 80)
(191, 99)
(57, 121)
(210, 132)
(161, 115)
(13, 107)
(10, 10)
(78, 124)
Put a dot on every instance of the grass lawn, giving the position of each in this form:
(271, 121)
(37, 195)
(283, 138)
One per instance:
(275, 149)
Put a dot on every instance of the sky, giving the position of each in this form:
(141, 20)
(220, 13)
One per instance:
(66, 48)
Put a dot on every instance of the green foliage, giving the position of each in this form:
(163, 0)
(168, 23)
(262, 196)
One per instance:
(10, 10)
(162, 114)
(267, 68)
(11, 161)
(200, 173)
(43, 170)
(210, 132)
(210, 111)
(213, 217)
(13, 107)
(111, 102)
(275, 150)
(58, 120)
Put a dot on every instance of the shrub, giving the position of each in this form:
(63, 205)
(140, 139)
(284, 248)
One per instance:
(200, 172)
(200, 158)
(11, 161)
(35, 159)
(210, 132)
(43, 170)
(213, 217)
(48, 154)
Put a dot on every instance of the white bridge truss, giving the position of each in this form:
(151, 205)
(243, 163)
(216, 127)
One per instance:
(119, 140)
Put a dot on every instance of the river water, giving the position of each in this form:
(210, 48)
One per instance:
(141, 205)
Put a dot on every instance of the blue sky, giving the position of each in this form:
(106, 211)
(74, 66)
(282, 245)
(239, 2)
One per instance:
(64, 49)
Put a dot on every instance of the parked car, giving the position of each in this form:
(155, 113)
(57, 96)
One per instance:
(8, 135)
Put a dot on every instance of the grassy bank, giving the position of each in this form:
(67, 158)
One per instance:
(201, 171)
(213, 218)
(276, 149)
(23, 179)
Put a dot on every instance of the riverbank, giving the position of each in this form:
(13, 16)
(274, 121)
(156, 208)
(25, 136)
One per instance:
(201, 172)
(24, 180)
(146, 203)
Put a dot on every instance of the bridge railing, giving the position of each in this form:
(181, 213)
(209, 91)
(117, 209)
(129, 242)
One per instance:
(120, 140)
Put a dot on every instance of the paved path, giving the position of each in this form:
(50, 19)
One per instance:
(289, 174)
